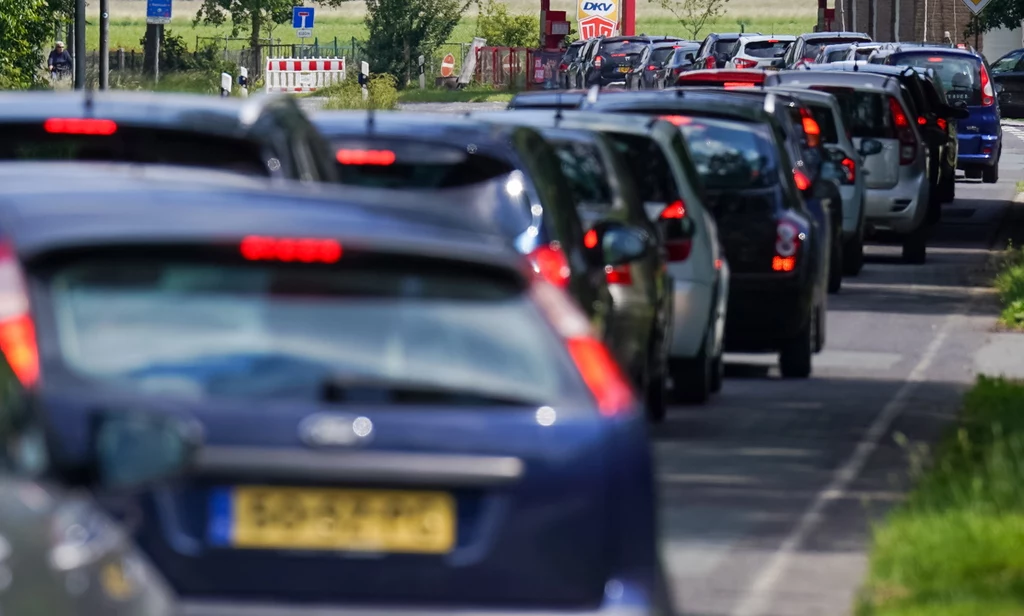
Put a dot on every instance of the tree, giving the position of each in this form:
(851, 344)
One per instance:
(998, 14)
(693, 14)
(500, 29)
(258, 15)
(26, 31)
(402, 30)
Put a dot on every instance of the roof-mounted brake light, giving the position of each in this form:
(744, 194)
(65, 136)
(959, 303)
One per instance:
(366, 157)
(290, 250)
(80, 126)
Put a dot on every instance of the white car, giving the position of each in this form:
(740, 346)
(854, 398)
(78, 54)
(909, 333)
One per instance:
(760, 51)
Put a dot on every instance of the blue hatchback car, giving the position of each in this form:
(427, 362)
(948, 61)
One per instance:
(967, 81)
(398, 415)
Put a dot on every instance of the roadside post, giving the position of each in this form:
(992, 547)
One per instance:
(243, 81)
(104, 44)
(302, 21)
(423, 77)
(158, 13)
(225, 84)
(364, 78)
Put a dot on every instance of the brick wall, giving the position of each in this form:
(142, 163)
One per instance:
(904, 20)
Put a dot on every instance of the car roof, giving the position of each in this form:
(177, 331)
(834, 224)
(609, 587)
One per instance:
(201, 113)
(104, 203)
(569, 99)
(803, 94)
(810, 36)
(704, 99)
(835, 46)
(935, 49)
(420, 126)
(730, 34)
(590, 120)
(768, 37)
(837, 75)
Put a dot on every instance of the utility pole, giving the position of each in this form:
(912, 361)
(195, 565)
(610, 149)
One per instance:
(79, 44)
(104, 44)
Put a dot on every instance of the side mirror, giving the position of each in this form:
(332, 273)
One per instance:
(134, 450)
(870, 147)
(621, 244)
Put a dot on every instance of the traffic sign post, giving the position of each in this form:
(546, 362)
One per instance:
(976, 5)
(158, 11)
(302, 21)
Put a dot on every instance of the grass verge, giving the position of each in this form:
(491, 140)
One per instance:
(1010, 285)
(472, 94)
(382, 94)
(956, 547)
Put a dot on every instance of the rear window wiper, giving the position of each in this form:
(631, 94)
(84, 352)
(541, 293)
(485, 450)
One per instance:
(383, 390)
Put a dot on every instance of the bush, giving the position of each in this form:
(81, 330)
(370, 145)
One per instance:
(1010, 284)
(383, 94)
(503, 30)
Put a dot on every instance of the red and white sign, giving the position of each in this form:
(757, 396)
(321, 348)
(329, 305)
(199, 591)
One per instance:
(448, 66)
(538, 71)
(295, 75)
(596, 25)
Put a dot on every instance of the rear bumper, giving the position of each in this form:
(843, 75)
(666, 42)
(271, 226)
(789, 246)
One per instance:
(981, 158)
(765, 312)
(900, 209)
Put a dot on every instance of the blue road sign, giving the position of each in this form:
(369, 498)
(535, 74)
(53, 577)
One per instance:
(302, 17)
(158, 11)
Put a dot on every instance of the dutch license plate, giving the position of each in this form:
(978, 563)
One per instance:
(272, 517)
(623, 69)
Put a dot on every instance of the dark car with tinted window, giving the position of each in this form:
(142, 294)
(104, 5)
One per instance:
(718, 48)
(570, 55)
(266, 135)
(805, 49)
(611, 59)
(651, 70)
(1008, 76)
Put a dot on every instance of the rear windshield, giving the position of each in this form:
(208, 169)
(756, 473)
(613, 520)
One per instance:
(865, 114)
(766, 49)
(960, 76)
(571, 53)
(731, 155)
(680, 55)
(623, 47)
(725, 47)
(826, 122)
(837, 55)
(582, 166)
(811, 50)
(134, 145)
(265, 331)
(651, 171)
(403, 164)
(661, 54)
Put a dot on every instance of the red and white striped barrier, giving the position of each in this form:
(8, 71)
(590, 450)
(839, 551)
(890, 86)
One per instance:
(295, 75)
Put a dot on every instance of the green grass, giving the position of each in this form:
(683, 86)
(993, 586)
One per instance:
(126, 33)
(956, 547)
(1020, 186)
(1010, 285)
(472, 94)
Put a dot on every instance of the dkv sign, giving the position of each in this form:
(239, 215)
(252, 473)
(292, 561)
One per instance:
(597, 18)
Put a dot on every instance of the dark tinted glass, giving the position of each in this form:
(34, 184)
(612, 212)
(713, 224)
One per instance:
(660, 55)
(583, 168)
(732, 155)
(571, 53)
(259, 331)
(826, 122)
(651, 170)
(836, 56)
(961, 76)
(766, 49)
(417, 165)
(134, 145)
(726, 47)
(865, 114)
(628, 47)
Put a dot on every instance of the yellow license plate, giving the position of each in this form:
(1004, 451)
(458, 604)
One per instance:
(272, 517)
(623, 69)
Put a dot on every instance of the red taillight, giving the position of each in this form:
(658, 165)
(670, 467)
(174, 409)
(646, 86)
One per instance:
(598, 61)
(744, 63)
(811, 128)
(549, 263)
(17, 329)
(599, 370)
(787, 244)
(709, 62)
(802, 181)
(652, 67)
(921, 120)
(988, 95)
(80, 126)
(674, 211)
(942, 123)
(850, 167)
(619, 274)
(290, 250)
(908, 141)
(676, 119)
(590, 239)
(366, 157)
(563, 66)
(678, 248)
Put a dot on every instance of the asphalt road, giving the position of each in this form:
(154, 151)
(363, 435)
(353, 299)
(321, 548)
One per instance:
(768, 491)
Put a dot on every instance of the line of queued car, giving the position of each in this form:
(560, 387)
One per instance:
(260, 362)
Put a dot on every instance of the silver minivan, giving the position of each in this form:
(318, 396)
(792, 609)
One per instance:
(874, 109)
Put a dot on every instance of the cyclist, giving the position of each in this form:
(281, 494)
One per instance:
(59, 60)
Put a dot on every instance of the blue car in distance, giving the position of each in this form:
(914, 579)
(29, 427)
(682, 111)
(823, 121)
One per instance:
(397, 414)
(967, 80)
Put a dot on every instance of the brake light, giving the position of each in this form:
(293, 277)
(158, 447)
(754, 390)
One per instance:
(598, 369)
(563, 66)
(17, 329)
(676, 119)
(620, 274)
(908, 141)
(598, 61)
(744, 63)
(802, 181)
(935, 59)
(366, 157)
(988, 95)
(921, 120)
(590, 239)
(787, 244)
(618, 55)
(709, 62)
(80, 126)
(850, 167)
(652, 67)
(773, 40)
(549, 263)
(811, 128)
(942, 123)
(677, 246)
(290, 250)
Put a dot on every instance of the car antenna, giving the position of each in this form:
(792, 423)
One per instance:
(558, 108)
(88, 102)
(369, 119)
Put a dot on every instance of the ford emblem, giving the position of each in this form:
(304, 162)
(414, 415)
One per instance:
(330, 430)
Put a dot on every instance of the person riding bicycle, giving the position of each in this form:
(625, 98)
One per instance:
(59, 60)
